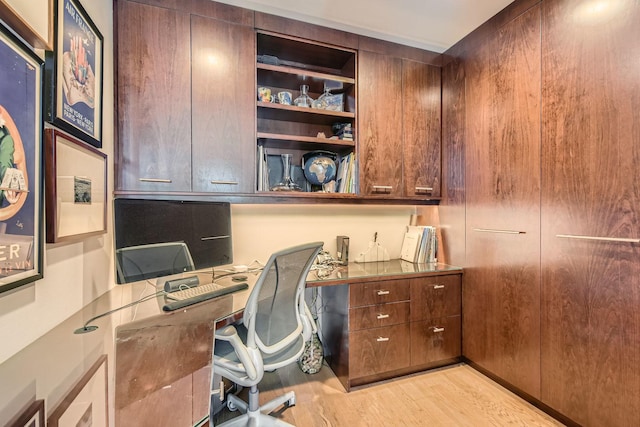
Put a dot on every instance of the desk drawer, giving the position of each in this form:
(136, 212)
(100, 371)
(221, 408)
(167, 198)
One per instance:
(435, 340)
(435, 297)
(375, 316)
(371, 293)
(373, 351)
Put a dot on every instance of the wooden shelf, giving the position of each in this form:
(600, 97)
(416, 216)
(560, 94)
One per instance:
(306, 139)
(278, 76)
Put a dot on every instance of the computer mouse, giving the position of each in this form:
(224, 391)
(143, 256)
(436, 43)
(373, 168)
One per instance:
(239, 278)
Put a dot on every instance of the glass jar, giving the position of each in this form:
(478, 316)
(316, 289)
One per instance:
(304, 100)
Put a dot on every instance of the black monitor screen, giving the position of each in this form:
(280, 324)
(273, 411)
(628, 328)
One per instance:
(203, 227)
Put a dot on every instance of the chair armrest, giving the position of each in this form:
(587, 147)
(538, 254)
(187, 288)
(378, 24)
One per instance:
(230, 334)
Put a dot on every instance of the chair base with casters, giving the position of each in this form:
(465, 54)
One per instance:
(253, 414)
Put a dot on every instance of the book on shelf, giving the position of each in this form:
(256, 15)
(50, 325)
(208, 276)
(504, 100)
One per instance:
(420, 244)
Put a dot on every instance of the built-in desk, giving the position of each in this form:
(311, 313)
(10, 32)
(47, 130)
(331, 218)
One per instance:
(162, 364)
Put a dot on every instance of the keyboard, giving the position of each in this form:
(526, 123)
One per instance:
(196, 294)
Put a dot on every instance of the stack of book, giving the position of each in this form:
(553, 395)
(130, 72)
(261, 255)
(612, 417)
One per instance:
(346, 175)
(343, 131)
(420, 244)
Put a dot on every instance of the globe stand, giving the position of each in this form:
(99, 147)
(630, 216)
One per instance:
(286, 184)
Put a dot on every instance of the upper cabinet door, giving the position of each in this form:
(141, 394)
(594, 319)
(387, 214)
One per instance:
(154, 99)
(421, 91)
(380, 124)
(223, 89)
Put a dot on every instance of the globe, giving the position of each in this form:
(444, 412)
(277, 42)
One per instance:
(319, 169)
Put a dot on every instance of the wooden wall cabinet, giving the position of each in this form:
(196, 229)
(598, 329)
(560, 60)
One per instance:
(379, 330)
(399, 129)
(185, 123)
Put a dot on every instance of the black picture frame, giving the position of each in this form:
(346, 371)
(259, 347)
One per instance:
(21, 181)
(74, 73)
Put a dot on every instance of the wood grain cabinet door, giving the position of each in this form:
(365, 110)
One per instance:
(154, 99)
(421, 125)
(223, 112)
(380, 124)
(435, 340)
(590, 208)
(501, 291)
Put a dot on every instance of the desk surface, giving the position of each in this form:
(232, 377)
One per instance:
(159, 348)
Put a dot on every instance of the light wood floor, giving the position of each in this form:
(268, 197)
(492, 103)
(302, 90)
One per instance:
(452, 396)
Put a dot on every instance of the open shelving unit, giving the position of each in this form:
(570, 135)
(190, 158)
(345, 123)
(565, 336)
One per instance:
(289, 129)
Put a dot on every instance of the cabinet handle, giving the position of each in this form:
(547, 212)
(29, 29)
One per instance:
(437, 330)
(490, 230)
(382, 187)
(382, 339)
(425, 189)
(225, 236)
(602, 239)
(438, 286)
(380, 293)
(166, 181)
(224, 182)
(382, 316)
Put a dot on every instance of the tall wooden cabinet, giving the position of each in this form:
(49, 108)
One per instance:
(501, 294)
(590, 209)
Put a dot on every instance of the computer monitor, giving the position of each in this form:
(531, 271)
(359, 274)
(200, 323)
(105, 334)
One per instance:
(203, 226)
(155, 260)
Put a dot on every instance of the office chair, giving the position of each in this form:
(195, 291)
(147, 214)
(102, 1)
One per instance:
(273, 332)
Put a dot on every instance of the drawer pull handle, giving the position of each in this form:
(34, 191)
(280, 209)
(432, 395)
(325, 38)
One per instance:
(491, 230)
(436, 329)
(382, 316)
(166, 181)
(425, 189)
(438, 286)
(602, 239)
(380, 293)
(224, 182)
(382, 187)
(382, 339)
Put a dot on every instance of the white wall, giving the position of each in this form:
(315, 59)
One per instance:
(74, 274)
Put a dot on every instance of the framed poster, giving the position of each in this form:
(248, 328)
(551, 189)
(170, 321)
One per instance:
(76, 183)
(31, 416)
(86, 403)
(21, 239)
(74, 73)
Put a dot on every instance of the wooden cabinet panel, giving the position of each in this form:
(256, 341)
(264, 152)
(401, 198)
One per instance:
(375, 316)
(421, 127)
(380, 124)
(223, 112)
(591, 288)
(435, 297)
(370, 293)
(373, 351)
(435, 340)
(501, 293)
(154, 99)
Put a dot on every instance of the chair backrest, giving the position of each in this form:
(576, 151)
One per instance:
(274, 310)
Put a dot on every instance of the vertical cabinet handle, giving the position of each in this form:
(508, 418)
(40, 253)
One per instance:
(437, 330)
(382, 339)
(382, 316)
(380, 293)
(438, 286)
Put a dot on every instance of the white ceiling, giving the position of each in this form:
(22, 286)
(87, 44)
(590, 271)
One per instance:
(434, 25)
